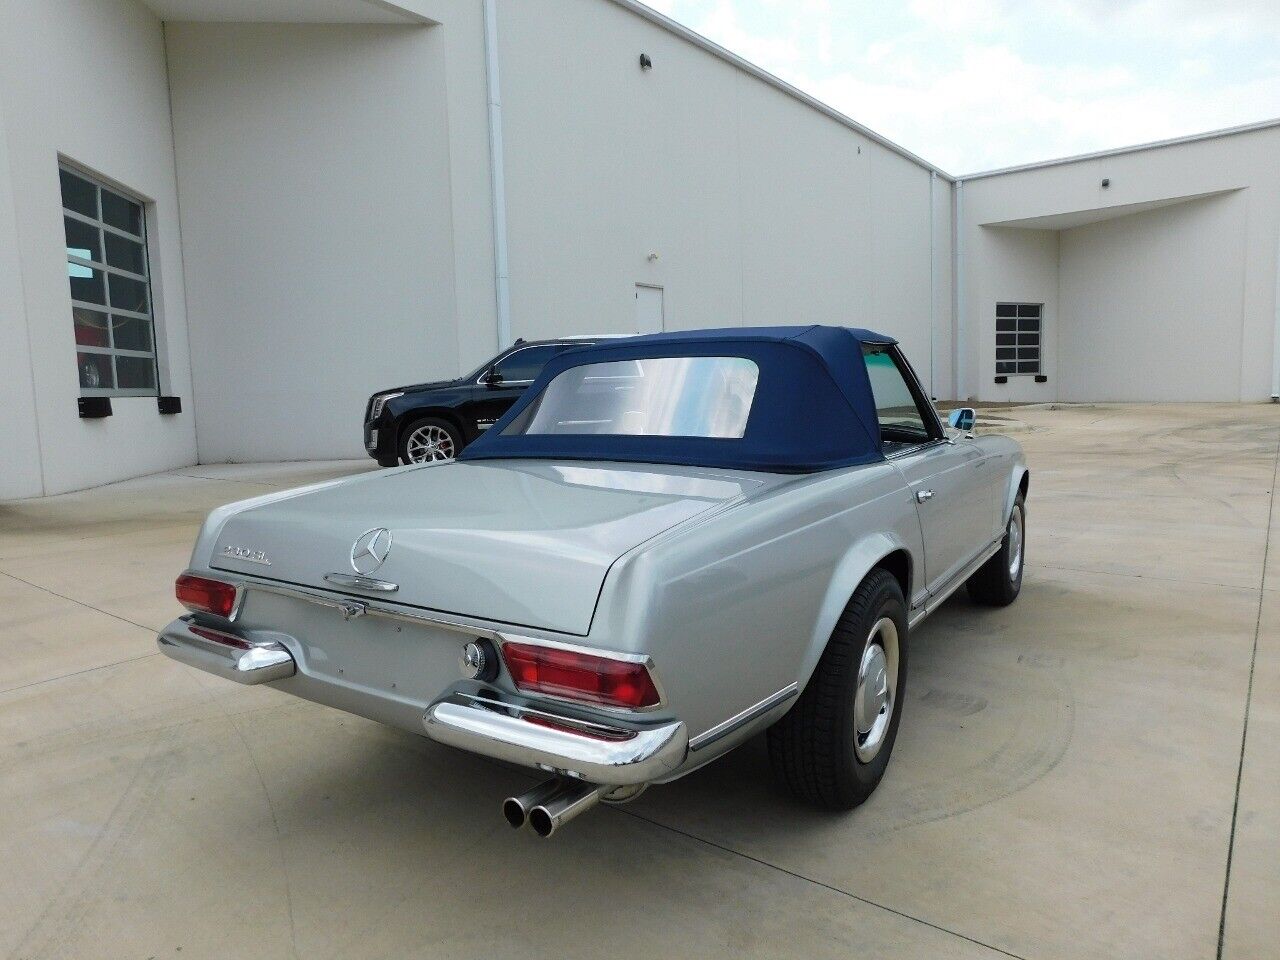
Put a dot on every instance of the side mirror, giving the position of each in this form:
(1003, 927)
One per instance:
(493, 378)
(963, 419)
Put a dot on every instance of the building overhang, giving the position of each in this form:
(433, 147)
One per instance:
(291, 11)
(1080, 218)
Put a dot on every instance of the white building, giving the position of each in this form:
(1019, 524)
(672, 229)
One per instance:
(1156, 269)
(269, 208)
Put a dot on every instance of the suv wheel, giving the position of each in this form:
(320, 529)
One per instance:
(429, 440)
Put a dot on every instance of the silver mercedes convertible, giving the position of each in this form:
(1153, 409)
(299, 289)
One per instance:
(668, 545)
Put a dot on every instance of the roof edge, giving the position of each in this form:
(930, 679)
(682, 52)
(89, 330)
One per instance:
(1117, 151)
(746, 66)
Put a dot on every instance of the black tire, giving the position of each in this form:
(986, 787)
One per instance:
(454, 436)
(814, 749)
(994, 584)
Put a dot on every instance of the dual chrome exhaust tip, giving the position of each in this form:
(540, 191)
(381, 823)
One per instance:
(551, 804)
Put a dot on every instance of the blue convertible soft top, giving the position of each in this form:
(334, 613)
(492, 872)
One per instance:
(813, 407)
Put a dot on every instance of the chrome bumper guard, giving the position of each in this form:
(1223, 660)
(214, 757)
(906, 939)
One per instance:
(488, 724)
(225, 654)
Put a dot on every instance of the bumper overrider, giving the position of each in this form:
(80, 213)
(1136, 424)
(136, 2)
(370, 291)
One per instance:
(493, 725)
(225, 654)
(469, 716)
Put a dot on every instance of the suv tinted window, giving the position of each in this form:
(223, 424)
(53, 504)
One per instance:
(526, 364)
(902, 421)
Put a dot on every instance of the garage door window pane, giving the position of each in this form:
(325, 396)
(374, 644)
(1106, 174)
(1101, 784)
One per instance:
(91, 328)
(1018, 332)
(95, 371)
(135, 373)
(83, 240)
(108, 270)
(79, 194)
(87, 284)
(131, 333)
(121, 213)
(128, 293)
(125, 253)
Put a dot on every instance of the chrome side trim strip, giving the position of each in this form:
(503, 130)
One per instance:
(736, 722)
(936, 600)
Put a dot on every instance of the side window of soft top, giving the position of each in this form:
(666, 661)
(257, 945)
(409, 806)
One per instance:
(904, 422)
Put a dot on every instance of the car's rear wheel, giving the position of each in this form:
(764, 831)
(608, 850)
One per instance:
(998, 582)
(833, 746)
(428, 440)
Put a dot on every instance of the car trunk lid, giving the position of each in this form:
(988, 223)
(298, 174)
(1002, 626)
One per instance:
(517, 542)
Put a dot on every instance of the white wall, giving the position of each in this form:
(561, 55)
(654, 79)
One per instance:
(320, 194)
(20, 469)
(761, 209)
(1151, 305)
(1166, 278)
(338, 230)
(84, 79)
(1019, 266)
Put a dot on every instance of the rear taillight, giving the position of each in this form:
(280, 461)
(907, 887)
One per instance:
(206, 596)
(580, 676)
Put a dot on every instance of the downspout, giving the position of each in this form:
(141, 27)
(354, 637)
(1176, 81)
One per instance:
(497, 177)
(933, 277)
(957, 289)
(1275, 342)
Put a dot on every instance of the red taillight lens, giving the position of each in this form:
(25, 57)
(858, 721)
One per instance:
(580, 676)
(205, 596)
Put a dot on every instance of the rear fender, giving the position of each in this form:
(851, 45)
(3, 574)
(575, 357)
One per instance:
(852, 569)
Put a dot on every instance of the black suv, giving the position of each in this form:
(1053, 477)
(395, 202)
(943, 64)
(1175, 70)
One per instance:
(434, 421)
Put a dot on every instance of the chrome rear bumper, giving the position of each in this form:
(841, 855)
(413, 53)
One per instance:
(617, 755)
(225, 655)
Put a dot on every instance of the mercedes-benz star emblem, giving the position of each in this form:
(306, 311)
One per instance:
(370, 550)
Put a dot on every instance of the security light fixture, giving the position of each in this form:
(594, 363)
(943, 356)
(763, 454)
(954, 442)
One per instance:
(645, 62)
(1106, 182)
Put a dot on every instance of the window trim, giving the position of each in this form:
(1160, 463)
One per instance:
(1040, 339)
(932, 421)
(492, 364)
(106, 309)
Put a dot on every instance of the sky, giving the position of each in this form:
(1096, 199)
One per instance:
(975, 85)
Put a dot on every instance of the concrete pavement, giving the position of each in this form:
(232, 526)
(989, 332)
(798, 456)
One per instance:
(1068, 781)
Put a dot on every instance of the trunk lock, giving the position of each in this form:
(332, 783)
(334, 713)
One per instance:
(350, 609)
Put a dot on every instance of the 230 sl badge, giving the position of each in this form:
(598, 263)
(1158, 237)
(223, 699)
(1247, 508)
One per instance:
(247, 554)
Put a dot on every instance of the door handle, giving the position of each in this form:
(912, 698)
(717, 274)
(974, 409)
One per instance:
(923, 495)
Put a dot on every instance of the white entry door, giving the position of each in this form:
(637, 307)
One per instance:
(649, 314)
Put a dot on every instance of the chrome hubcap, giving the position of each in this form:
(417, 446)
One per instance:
(429, 443)
(873, 701)
(1015, 543)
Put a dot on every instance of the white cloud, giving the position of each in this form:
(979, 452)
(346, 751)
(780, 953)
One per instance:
(973, 84)
(996, 109)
